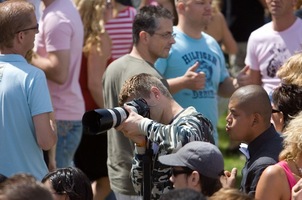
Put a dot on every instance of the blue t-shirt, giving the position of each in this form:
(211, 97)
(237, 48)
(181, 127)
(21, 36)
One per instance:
(23, 94)
(183, 54)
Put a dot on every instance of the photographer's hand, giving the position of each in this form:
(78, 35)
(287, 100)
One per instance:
(130, 127)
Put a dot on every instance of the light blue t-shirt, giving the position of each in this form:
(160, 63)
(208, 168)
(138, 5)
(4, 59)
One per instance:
(23, 94)
(183, 54)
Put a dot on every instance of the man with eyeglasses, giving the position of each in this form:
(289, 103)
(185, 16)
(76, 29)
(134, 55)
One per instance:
(152, 39)
(194, 47)
(198, 165)
(26, 121)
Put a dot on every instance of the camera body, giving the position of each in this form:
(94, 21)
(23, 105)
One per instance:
(100, 120)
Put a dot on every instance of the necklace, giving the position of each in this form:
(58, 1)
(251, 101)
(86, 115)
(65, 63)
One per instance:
(299, 169)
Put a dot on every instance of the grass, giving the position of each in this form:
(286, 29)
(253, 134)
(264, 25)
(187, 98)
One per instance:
(230, 161)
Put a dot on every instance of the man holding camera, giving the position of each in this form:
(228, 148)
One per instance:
(152, 38)
(169, 128)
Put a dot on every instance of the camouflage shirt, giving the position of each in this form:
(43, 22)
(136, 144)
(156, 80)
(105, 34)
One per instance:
(188, 126)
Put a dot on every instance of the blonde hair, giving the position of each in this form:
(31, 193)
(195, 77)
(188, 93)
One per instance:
(292, 139)
(92, 14)
(291, 71)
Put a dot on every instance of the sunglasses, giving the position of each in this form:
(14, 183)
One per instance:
(27, 29)
(176, 172)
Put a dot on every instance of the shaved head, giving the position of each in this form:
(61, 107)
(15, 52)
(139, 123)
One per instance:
(253, 99)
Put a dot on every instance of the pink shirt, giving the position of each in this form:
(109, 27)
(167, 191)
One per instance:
(267, 50)
(61, 29)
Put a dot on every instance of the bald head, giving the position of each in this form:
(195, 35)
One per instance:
(253, 99)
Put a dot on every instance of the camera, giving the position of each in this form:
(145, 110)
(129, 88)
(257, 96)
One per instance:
(100, 120)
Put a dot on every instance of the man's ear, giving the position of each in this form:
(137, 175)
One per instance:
(194, 180)
(155, 92)
(144, 36)
(256, 119)
(20, 36)
(180, 7)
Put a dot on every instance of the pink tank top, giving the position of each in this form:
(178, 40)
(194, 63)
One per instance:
(290, 177)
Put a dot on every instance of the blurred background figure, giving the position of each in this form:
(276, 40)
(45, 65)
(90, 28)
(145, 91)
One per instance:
(170, 5)
(271, 45)
(217, 27)
(58, 53)
(68, 183)
(91, 155)
(243, 17)
(119, 28)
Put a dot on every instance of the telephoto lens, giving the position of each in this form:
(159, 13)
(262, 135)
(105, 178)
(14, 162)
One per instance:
(100, 120)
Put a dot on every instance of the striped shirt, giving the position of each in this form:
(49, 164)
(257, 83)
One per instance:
(120, 32)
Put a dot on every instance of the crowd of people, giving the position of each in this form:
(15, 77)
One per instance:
(171, 59)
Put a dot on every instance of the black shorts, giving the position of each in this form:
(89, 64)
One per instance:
(91, 156)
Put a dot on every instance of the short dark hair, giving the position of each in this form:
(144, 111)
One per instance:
(70, 181)
(147, 20)
(209, 185)
(288, 100)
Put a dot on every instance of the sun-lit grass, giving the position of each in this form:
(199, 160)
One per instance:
(230, 161)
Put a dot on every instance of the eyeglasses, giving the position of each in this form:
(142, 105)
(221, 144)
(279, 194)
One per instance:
(166, 35)
(27, 29)
(176, 172)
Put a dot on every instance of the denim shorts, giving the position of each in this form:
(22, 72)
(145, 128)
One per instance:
(69, 137)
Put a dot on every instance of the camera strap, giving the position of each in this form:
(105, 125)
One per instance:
(147, 171)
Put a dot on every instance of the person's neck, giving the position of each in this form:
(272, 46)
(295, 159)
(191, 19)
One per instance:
(283, 22)
(258, 130)
(190, 30)
(174, 109)
(12, 51)
(142, 53)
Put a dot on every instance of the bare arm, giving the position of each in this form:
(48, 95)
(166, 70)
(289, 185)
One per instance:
(248, 76)
(45, 130)
(97, 63)
(229, 44)
(227, 87)
(55, 65)
(272, 184)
